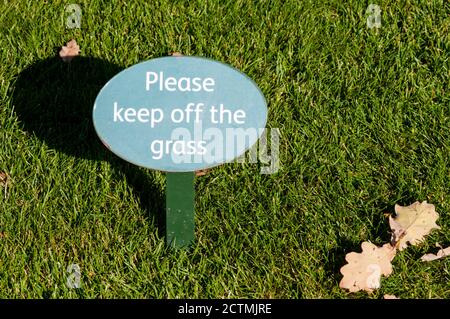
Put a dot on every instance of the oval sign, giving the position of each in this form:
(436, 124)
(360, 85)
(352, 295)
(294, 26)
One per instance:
(179, 114)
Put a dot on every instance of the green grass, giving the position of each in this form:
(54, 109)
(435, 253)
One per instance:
(364, 116)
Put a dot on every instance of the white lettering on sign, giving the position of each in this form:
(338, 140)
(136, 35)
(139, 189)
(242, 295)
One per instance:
(143, 115)
(192, 112)
(180, 147)
(182, 84)
(226, 115)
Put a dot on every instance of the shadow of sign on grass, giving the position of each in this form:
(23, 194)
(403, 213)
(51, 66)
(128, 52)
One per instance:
(53, 101)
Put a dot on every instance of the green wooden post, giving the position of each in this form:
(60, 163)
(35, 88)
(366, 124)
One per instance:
(180, 209)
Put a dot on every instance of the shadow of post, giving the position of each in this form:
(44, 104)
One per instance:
(53, 100)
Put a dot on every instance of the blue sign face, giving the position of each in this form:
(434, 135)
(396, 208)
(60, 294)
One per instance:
(179, 114)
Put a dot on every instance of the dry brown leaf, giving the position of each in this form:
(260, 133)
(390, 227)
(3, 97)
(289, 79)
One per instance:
(443, 252)
(4, 179)
(69, 51)
(364, 270)
(412, 223)
(387, 296)
(201, 172)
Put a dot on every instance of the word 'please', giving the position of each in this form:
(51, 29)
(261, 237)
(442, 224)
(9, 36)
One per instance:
(182, 84)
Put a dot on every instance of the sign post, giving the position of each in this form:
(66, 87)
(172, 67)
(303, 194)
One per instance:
(179, 115)
(180, 209)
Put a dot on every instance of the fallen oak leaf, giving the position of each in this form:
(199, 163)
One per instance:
(364, 270)
(412, 223)
(69, 51)
(443, 252)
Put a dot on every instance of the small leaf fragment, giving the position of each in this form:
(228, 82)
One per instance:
(69, 51)
(4, 179)
(443, 252)
(201, 172)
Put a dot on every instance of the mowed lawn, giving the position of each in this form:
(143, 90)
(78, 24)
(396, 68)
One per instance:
(364, 117)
